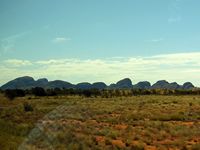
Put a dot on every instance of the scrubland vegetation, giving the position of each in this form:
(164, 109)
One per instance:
(100, 119)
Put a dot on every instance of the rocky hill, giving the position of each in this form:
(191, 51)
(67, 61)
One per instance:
(142, 85)
(122, 84)
(27, 82)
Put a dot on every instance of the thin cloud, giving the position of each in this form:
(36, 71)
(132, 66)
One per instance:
(8, 43)
(178, 67)
(175, 11)
(174, 19)
(61, 39)
(46, 27)
(17, 63)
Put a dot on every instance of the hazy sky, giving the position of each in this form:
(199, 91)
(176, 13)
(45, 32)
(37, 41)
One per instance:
(100, 40)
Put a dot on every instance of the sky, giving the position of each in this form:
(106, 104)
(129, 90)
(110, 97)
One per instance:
(100, 40)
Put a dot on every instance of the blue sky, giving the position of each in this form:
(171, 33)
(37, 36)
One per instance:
(44, 34)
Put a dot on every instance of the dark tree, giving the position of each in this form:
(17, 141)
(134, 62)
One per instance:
(11, 94)
(51, 92)
(87, 93)
(38, 91)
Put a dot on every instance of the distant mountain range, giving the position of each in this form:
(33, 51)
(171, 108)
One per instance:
(27, 82)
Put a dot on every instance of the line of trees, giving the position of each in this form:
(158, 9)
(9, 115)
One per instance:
(105, 93)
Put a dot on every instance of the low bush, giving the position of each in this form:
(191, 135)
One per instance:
(27, 107)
